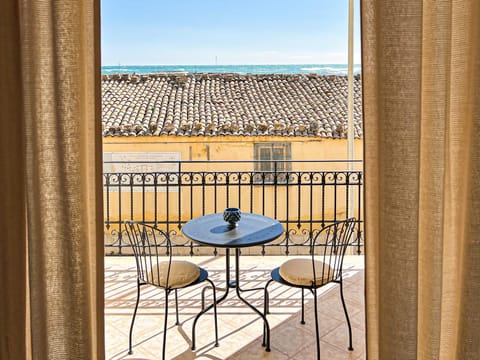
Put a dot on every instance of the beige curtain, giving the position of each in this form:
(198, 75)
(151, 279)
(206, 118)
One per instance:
(51, 255)
(421, 71)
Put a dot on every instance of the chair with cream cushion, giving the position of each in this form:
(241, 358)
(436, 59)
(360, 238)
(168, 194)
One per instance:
(324, 266)
(150, 245)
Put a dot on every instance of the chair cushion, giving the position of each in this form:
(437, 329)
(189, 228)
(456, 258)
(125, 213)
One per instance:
(300, 272)
(182, 273)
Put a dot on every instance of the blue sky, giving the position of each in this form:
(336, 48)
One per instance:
(231, 32)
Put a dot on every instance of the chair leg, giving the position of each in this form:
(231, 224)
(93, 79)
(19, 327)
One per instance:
(130, 351)
(204, 290)
(303, 307)
(193, 329)
(214, 310)
(204, 309)
(165, 325)
(350, 347)
(316, 322)
(266, 310)
(177, 321)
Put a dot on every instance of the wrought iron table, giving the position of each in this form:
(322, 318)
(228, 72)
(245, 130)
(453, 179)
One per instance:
(251, 230)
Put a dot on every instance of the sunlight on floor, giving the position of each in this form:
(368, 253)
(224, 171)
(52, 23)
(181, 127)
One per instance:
(240, 330)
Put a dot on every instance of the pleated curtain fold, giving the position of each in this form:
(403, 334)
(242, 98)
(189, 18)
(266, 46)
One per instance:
(51, 213)
(421, 78)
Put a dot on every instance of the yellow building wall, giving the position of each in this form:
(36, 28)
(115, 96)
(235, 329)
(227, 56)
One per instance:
(233, 148)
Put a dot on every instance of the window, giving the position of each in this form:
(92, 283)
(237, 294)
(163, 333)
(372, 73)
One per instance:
(269, 166)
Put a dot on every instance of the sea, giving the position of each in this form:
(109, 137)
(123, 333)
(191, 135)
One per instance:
(323, 69)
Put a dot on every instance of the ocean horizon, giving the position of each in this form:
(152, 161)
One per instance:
(323, 69)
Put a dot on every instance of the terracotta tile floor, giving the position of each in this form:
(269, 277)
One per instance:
(240, 330)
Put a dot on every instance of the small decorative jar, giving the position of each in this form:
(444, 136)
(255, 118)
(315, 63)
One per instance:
(232, 216)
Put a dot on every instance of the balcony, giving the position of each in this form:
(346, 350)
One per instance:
(303, 195)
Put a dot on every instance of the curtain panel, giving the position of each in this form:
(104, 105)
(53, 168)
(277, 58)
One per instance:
(421, 78)
(50, 181)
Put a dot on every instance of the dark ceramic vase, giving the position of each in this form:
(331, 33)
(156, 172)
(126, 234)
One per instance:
(232, 216)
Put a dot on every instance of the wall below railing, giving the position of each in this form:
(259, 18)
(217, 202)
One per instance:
(303, 195)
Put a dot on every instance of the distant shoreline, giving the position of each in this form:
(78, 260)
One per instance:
(322, 69)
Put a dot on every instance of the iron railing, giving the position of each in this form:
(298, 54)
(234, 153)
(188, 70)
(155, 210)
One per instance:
(304, 196)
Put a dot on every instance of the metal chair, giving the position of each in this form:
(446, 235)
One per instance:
(147, 242)
(327, 248)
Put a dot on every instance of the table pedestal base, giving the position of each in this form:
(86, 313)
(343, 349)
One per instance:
(235, 284)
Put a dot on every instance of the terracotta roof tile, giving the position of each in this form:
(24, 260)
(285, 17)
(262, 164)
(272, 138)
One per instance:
(228, 104)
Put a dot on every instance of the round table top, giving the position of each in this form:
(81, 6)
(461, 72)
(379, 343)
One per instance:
(251, 230)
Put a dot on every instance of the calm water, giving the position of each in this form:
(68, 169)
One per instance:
(324, 69)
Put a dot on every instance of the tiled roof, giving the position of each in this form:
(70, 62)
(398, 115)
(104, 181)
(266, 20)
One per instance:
(228, 104)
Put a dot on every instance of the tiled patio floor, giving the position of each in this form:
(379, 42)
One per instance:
(240, 330)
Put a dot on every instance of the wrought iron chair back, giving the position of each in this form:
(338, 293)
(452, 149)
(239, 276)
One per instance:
(147, 242)
(329, 245)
